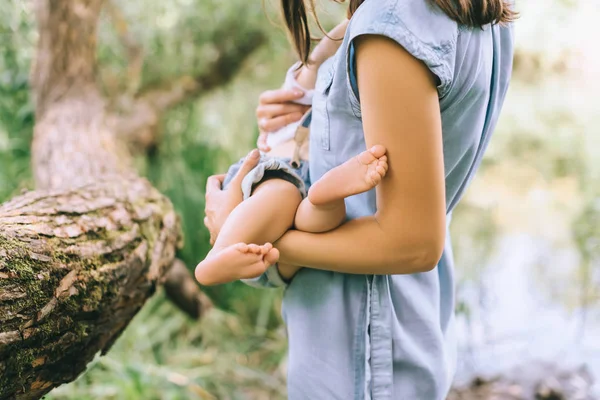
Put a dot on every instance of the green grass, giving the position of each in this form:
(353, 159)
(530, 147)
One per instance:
(545, 140)
(164, 355)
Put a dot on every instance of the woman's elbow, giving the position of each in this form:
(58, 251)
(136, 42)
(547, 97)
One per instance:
(430, 256)
(417, 255)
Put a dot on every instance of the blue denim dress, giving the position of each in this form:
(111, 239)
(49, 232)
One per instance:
(386, 337)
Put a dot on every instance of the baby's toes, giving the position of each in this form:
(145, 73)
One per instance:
(375, 178)
(271, 257)
(366, 158)
(378, 151)
(381, 170)
(254, 248)
(265, 248)
(241, 247)
(382, 163)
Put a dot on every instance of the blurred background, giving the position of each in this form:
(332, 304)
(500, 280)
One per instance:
(526, 236)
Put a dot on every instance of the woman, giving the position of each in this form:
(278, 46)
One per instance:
(426, 79)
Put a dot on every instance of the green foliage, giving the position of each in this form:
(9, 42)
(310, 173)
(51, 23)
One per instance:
(547, 136)
(163, 355)
(16, 110)
(237, 353)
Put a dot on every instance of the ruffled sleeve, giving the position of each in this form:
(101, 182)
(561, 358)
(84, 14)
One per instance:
(418, 26)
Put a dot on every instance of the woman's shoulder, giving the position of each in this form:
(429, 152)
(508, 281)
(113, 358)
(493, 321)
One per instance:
(418, 26)
(419, 20)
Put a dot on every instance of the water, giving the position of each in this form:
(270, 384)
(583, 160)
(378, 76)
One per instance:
(519, 312)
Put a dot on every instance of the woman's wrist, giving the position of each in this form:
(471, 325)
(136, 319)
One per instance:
(282, 245)
(286, 268)
(287, 271)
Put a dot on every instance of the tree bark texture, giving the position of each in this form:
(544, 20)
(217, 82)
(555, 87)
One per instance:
(80, 255)
(75, 266)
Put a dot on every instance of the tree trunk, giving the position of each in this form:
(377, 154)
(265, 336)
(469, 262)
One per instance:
(75, 267)
(79, 256)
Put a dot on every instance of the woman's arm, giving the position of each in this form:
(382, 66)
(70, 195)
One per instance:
(400, 110)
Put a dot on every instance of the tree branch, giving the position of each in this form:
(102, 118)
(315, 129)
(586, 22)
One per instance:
(138, 121)
(65, 64)
(89, 247)
(183, 290)
(133, 50)
(86, 258)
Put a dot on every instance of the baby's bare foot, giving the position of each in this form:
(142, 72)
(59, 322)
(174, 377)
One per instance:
(357, 175)
(238, 261)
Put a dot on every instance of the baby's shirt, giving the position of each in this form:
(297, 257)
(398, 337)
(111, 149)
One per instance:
(287, 133)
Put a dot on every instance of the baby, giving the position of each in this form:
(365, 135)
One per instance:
(275, 196)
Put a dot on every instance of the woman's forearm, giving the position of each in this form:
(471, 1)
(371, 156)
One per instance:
(407, 234)
(360, 246)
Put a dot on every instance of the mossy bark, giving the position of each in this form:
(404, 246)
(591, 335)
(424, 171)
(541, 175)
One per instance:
(75, 267)
(79, 256)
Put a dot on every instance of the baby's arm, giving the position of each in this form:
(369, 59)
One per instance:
(302, 79)
(327, 47)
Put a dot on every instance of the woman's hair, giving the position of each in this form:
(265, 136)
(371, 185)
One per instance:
(472, 13)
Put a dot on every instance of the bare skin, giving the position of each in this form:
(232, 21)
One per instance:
(370, 165)
(325, 49)
(325, 209)
(252, 259)
(407, 233)
(245, 225)
(275, 206)
(276, 108)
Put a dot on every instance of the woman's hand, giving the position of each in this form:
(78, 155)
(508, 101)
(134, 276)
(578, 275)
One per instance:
(219, 202)
(276, 110)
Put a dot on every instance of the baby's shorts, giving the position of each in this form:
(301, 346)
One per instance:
(271, 168)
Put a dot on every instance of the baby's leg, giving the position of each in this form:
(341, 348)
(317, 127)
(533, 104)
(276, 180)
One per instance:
(324, 208)
(262, 218)
(319, 218)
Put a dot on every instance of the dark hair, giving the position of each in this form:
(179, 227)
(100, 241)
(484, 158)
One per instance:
(472, 13)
